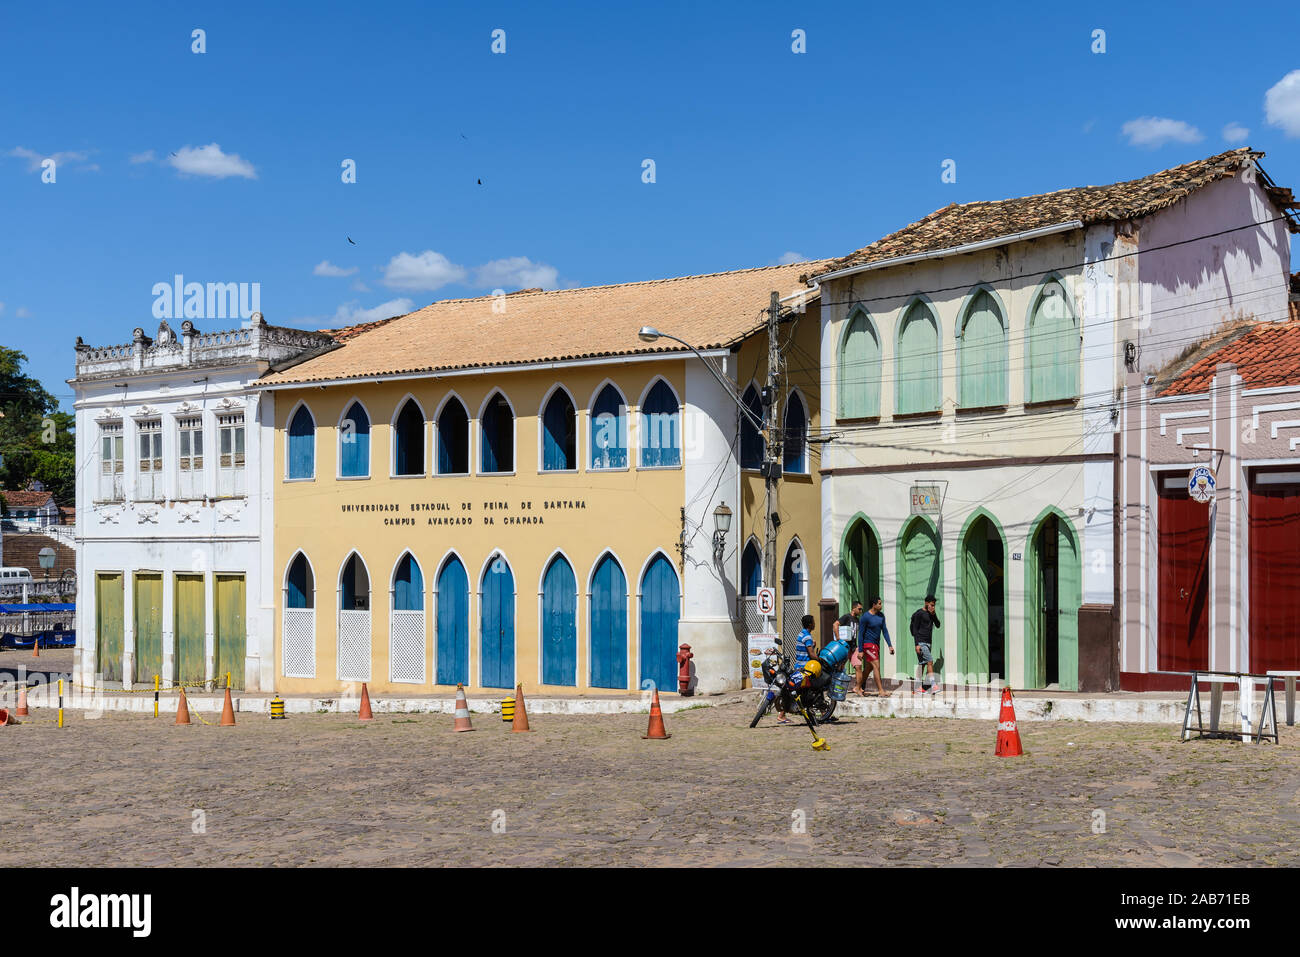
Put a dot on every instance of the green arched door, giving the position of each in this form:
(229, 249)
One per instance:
(920, 573)
(1053, 586)
(859, 565)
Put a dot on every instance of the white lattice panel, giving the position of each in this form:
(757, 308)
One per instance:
(406, 647)
(750, 616)
(298, 639)
(792, 611)
(354, 646)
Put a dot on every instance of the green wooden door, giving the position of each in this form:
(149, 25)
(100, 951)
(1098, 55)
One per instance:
(974, 600)
(860, 563)
(189, 629)
(920, 573)
(1069, 585)
(108, 626)
(148, 627)
(230, 639)
(1035, 653)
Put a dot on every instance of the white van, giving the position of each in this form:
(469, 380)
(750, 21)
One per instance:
(15, 576)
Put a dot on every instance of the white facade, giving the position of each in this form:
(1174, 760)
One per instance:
(173, 478)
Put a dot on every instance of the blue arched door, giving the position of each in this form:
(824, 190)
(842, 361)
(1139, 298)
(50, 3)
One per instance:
(660, 607)
(453, 624)
(559, 625)
(497, 625)
(609, 625)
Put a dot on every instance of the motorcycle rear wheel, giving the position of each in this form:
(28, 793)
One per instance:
(763, 704)
(822, 708)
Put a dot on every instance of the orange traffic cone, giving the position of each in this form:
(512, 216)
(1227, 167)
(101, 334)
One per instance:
(183, 710)
(1008, 734)
(462, 711)
(521, 713)
(7, 718)
(365, 714)
(36, 648)
(228, 713)
(656, 729)
(21, 710)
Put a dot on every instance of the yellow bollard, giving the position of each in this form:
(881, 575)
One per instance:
(227, 679)
(60, 702)
(155, 696)
(508, 710)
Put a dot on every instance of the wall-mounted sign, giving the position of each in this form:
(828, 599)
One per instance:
(767, 602)
(926, 500)
(1200, 484)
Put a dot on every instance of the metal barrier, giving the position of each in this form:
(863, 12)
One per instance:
(1245, 699)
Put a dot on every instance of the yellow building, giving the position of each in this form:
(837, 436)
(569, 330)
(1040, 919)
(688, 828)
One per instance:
(518, 489)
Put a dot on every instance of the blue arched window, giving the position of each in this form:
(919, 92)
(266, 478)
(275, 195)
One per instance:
(408, 440)
(301, 590)
(354, 585)
(302, 445)
(453, 438)
(795, 449)
(661, 428)
(792, 574)
(559, 434)
(751, 440)
(498, 435)
(354, 443)
(751, 571)
(408, 585)
(609, 430)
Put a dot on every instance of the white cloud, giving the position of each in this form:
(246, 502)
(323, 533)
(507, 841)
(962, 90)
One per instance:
(1235, 133)
(1150, 132)
(1282, 104)
(147, 156)
(60, 159)
(211, 161)
(518, 272)
(327, 268)
(426, 272)
(351, 313)
(360, 286)
(790, 258)
(22, 313)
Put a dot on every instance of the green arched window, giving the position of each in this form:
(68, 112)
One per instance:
(1052, 347)
(982, 346)
(918, 387)
(859, 371)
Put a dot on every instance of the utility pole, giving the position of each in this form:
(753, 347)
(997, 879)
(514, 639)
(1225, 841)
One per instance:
(771, 441)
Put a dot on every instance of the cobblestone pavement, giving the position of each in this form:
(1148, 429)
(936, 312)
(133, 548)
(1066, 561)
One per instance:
(404, 790)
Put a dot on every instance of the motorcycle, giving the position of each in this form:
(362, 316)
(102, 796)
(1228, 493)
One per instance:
(813, 690)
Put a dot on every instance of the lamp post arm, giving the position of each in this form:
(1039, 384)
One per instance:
(726, 386)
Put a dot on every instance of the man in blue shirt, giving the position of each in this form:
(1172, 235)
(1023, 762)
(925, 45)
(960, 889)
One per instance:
(805, 650)
(872, 627)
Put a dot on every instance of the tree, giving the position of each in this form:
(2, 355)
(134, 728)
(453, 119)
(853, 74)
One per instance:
(36, 439)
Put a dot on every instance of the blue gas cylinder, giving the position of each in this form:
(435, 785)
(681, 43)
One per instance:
(834, 655)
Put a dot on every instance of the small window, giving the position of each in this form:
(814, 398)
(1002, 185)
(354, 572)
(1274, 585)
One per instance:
(354, 443)
(302, 445)
(408, 437)
(609, 430)
(752, 445)
(795, 452)
(301, 589)
(498, 434)
(190, 457)
(230, 460)
(150, 475)
(751, 571)
(661, 424)
(559, 434)
(355, 591)
(918, 386)
(453, 439)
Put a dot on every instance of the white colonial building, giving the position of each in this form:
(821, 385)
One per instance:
(174, 508)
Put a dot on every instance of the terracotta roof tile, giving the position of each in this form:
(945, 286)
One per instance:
(709, 311)
(26, 499)
(959, 225)
(344, 333)
(1265, 354)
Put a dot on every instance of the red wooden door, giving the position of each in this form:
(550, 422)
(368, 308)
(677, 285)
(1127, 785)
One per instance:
(1183, 567)
(1274, 570)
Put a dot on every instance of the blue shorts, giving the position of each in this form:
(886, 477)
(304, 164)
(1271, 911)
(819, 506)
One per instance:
(924, 657)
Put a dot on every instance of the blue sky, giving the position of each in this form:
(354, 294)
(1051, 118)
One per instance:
(759, 152)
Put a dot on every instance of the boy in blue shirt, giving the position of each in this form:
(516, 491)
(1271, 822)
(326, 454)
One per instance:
(872, 627)
(805, 650)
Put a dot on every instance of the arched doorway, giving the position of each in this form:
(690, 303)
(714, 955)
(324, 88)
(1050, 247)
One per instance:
(981, 597)
(406, 625)
(609, 625)
(859, 564)
(660, 609)
(497, 625)
(453, 623)
(559, 624)
(1053, 581)
(920, 573)
(353, 655)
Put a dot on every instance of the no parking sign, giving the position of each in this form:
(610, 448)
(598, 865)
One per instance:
(767, 602)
